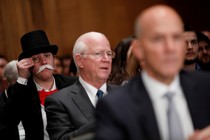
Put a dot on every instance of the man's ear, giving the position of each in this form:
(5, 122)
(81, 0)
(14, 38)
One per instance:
(79, 61)
(137, 50)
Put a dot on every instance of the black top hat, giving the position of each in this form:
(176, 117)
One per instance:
(36, 42)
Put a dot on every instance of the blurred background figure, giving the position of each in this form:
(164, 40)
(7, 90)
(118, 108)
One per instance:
(66, 61)
(73, 69)
(124, 65)
(10, 73)
(203, 51)
(133, 66)
(58, 67)
(3, 62)
(10, 76)
(191, 44)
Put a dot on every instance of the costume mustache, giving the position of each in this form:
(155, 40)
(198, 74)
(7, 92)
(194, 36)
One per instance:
(47, 66)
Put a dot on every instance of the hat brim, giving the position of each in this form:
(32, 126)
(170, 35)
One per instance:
(42, 49)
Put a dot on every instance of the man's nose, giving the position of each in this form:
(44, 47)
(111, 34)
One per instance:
(43, 60)
(189, 45)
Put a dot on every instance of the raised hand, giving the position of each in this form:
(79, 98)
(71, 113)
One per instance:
(24, 66)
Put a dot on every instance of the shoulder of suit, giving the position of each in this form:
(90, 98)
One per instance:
(64, 77)
(196, 74)
(69, 89)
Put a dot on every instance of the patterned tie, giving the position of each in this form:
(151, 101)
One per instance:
(99, 93)
(43, 94)
(174, 124)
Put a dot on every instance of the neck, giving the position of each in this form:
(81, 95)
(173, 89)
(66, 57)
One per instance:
(46, 84)
(95, 83)
(161, 78)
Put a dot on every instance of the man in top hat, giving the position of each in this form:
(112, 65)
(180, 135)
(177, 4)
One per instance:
(35, 82)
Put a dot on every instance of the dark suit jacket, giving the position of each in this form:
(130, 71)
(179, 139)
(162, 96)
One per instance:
(69, 112)
(24, 106)
(128, 114)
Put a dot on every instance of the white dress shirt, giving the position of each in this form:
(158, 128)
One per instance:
(44, 116)
(156, 91)
(91, 91)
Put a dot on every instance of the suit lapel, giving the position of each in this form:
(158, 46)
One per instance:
(82, 100)
(194, 100)
(147, 116)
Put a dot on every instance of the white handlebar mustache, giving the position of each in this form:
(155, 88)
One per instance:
(47, 66)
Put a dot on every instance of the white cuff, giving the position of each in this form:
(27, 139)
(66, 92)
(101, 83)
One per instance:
(22, 81)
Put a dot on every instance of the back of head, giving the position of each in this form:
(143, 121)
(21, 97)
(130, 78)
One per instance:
(119, 74)
(11, 72)
(121, 50)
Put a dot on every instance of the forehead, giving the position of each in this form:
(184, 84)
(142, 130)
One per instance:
(99, 43)
(160, 21)
(2, 60)
(202, 43)
(164, 27)
(189, 35)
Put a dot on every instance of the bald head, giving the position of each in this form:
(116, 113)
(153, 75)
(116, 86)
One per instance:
(160, 42)
(155, 15)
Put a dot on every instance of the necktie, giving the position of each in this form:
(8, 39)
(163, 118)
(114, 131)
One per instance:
(174, 124)
(99, 93)
(43, 94)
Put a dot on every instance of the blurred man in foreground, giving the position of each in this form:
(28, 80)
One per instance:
(163, 103)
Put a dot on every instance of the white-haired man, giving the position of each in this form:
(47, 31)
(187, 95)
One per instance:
(70, 111)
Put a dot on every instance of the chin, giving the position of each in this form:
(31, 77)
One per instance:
(172, 71)
(45, 75)
(104, 77)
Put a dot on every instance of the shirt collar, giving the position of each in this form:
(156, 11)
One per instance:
(91, 89)
(157, 89)
(39, 88)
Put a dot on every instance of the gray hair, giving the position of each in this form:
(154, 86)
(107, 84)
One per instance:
(11, 72)
(79, 47)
